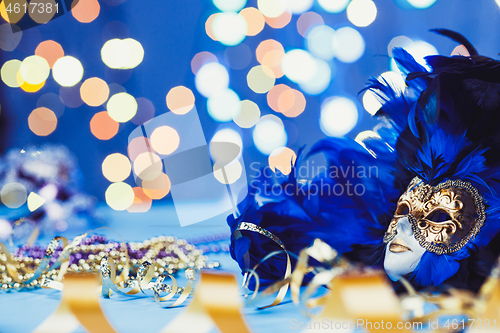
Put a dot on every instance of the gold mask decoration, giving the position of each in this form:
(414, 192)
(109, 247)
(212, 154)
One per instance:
(443, 217)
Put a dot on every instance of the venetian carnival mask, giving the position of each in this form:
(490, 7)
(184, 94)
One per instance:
(441, 219)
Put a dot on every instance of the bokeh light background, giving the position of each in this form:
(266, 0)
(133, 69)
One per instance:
(267, 75)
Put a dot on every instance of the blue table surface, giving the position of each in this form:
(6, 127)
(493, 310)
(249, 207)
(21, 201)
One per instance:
(24, 311)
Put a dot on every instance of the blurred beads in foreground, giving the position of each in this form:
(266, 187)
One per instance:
(50, 51)
(142, 203)
(119, 196)
(122, 53)
(338, 117)
(13, 195)
(42, 121)
(94, 91)
(180, 100)
(211, 78)
(67, 71)
(103, 126)
(247, 115)
(282, 159)
(122, 107)
(116, 167)
(269, 134)
(254, 19)
(85, 11)
(361, 13)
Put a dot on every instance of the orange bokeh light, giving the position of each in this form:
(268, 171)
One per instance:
(157, 188)
(42, 121)
(94, 91)
(274, 94)
(50, 51)
(291, 103)
(280, 21)
(209, 24)
(180, 100)
(85, 11)
(103, 126)
(255, 20)
(270, 53)
(142, 203)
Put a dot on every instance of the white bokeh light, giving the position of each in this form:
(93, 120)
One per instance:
(422, 4)
(269, 133)
(211, 78)
(339, 115)
(272, 8)
(222, 104)
(333, 6)
(420, 49)
(298, 65)
(319, 81)
(230, 5)
(348, 44)
(230, 28)
(319, 41)
(361, 13)
(67, 71)
(299, 6)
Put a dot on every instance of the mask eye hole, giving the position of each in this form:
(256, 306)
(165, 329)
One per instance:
(403, 209)
(439, 216)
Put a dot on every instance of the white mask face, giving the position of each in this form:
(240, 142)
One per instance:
(403, 253)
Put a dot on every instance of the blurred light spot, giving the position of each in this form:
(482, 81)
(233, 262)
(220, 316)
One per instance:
(34, 70)
(229, 5)
(274, 94)
(180, 100)
(50, 51)
(209, 24)
(116, 167)
(9, 73)
(13, 195)
(270, 53)
(211, 78)
(260, 79)
(138, 146)
(142, 203)
(157, 188)
(421, 4)
(85, 11)
(461, 50)
(238, 57)
(420, 49)
(348, 44)
(147, 166)
(42, 121)
(201, 59)
(10, 36)
(247, 115)
(272, 8)
(319, 41)
(67, 71)
(103, 126)
(361, 13)
(145, 111)
(291, 103)
(115, 29)
(12, 17)
(298, 65)
(362, 136)
(399, 41)
(30, 87)
(222, 104)
(308, 20)
(94, 91)
(230, 28)
(371, 102)
(53, 102)
(320, 80)
(283, 159)
(119, 196)
(165, 140)
(229, 173)
(228, 135)
(269, 134)
(339, 115)
(35, 201)
(498, 2)
(299, 6)
(122, 107)
(280, 21)
(255, 20)
(333, 6)
(70, 96)
(45, 15)
(122, 53)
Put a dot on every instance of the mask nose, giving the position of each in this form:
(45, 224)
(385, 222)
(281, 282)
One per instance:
(404, 226)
